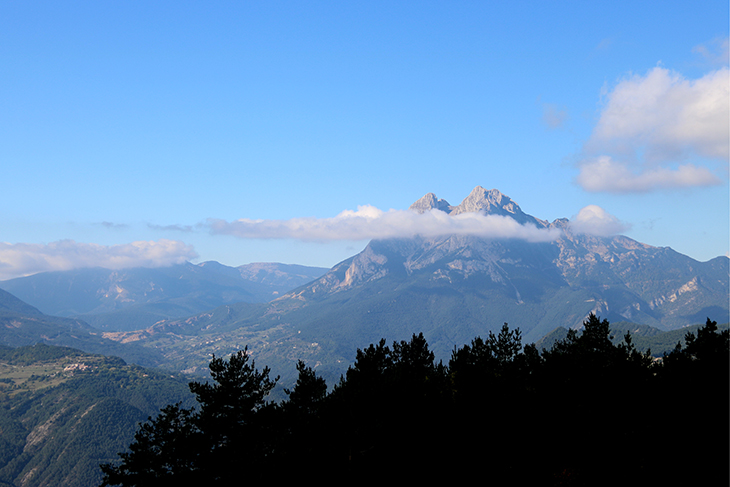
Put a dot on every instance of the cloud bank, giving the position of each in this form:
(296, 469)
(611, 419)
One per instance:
(23, 259)
(369, 222)
(596, 221)
(650, 125)
(604, 174)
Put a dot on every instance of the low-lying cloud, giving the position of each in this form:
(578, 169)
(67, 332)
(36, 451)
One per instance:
(651, 126)
(594, 220)
(369, 222)
(23, 259)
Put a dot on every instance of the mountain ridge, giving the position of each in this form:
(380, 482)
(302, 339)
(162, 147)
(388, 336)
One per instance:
(480, 200)
(135, 298)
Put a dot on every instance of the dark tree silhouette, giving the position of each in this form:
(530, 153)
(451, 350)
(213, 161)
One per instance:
(308, 392)
(163, 450)
(693, 385)
(588, 412)
(210, 443)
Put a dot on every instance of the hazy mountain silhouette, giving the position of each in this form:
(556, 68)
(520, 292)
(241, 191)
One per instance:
(136, 298)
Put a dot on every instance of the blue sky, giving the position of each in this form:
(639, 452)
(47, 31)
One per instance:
(136, 133)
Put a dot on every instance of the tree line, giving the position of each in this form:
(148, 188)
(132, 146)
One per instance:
(585, 412)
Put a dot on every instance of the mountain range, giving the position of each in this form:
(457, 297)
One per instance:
(136, 298)
(456, 287)
(450, 287)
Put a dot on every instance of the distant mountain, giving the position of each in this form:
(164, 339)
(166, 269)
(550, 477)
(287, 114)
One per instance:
(136, 298)
(454, 288)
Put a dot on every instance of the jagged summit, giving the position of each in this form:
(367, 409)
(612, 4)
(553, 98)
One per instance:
(492, 202)
(429, 202)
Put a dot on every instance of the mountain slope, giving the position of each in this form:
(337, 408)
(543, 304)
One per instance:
(63, 412)
(10, 304)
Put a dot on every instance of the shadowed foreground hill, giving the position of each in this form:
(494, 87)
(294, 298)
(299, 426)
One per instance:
(63, 411)
(587, 412)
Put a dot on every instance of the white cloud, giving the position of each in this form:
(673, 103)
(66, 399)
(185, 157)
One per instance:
(596, 221)
(667, 115)
(369, 222)
(650, 125)
(23, 259)
(606, 175)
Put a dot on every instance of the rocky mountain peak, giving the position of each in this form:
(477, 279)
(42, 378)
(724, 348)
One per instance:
(429, 202)
(491, 201)
(479, 200)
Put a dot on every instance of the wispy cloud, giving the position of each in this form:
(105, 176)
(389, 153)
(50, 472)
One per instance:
(23, 259)
(596, 221)
(651, 125)
(605, 44)
(173, 228)
(369, 222)
(112, 225)
(553, 116)
(715, 52)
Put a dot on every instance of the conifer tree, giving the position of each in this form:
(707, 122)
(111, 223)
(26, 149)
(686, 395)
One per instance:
(207, 444)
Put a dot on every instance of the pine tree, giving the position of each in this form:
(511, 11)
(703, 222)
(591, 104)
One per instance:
(207, 444)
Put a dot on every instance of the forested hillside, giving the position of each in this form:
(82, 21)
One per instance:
(586, 412)
(63, 411)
